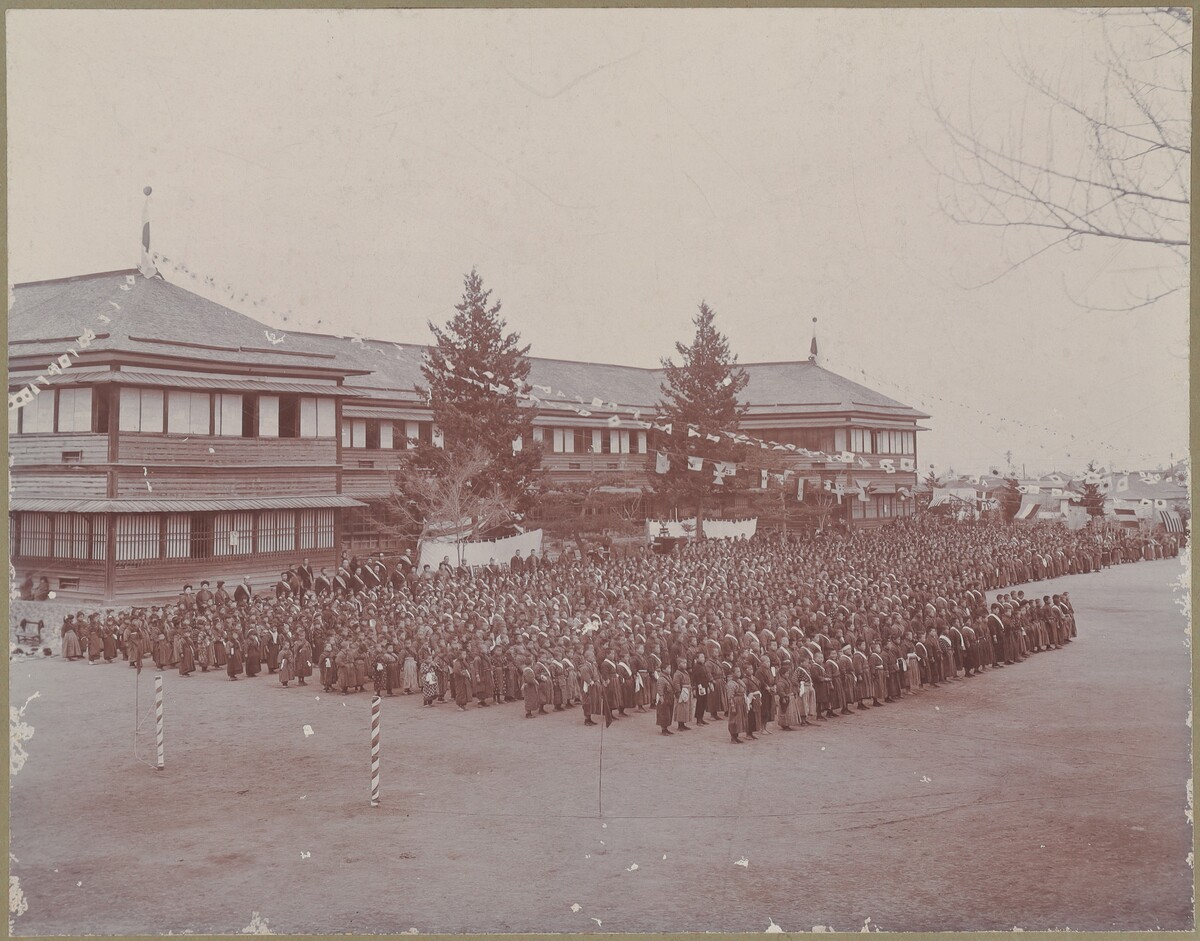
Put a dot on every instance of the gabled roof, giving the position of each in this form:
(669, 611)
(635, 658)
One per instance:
(143, 315)
(131, 313)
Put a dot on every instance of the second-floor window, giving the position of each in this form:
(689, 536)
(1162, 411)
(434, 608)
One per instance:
(189, 413)
(141, 410)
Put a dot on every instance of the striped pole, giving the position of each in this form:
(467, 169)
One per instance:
(376, 702)
(158, 718)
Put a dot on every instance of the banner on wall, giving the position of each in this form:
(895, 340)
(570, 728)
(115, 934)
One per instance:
(713, 529)
(478, 553)
(676, 528)
(730, 529)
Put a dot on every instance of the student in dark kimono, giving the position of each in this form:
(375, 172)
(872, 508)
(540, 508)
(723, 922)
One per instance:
(328, 668)
(302, 665)
(529, 689)
(754, 703)
(589, 679)
(735, 704)
(345, 669)
(253, 654)
(545, 686)
(664, 705)
(109, 637)
(187, 660)
(285, 665)
(233, 657)
(483, 683)
(681, 682)
(462, 682)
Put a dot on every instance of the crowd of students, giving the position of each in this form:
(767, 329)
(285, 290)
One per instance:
(751, 632)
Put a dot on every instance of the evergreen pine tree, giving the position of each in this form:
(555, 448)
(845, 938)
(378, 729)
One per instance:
(473, 345)
(700, 391)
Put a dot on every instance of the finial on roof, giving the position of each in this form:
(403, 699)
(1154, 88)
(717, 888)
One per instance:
(812, 350)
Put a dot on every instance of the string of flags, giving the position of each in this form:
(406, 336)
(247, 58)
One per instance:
(56, 367)
(537, 395)
(923, 398)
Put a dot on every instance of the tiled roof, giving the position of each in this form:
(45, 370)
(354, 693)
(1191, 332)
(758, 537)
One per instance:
(147, 315)
(157, 317)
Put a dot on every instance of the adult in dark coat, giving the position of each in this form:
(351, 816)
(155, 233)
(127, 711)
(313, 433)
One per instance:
(243, 594)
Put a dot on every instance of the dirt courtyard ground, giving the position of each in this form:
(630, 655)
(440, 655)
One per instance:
(1048, 795)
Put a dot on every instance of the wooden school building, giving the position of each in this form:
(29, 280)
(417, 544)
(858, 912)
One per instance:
(186, 441)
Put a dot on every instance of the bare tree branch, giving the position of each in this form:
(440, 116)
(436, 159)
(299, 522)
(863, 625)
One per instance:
(1112, 161)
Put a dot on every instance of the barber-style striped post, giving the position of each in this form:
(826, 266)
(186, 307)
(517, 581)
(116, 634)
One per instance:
(158, 719)
(376, 703)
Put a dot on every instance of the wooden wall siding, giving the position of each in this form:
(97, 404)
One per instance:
(385, 459)
(72, 483)
(357, 482)
(229, 483)
(625, 463)
(91, 583)
(181, 449)
(163, 580)
(48, 449)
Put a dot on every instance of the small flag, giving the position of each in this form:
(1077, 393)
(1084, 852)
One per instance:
(147, 265)
(716, 439)
(597, 403)
(887, 465)
(1123, 484)
(693, 431)
(614, 421)
(695, 463)
(762, 480)
(727, 381)
(907, 464)
(846, 457)
(661, 463)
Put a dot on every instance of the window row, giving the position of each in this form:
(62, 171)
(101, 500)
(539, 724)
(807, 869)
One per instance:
(82, 536)
(866, 441)
(176, 412)
(226, 414)
(880, 506)
(61, 410)
(143, 536)
(593, 440)
(218, 535)
(812, 439)
(374, 434)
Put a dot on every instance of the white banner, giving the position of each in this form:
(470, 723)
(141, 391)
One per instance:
(675, 528)
(713, 529)
(478, 553)
(730, 529)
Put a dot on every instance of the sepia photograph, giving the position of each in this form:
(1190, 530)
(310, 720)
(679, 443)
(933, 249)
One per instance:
(487, 454)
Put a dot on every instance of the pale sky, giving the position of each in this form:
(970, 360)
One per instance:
(605, 170)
